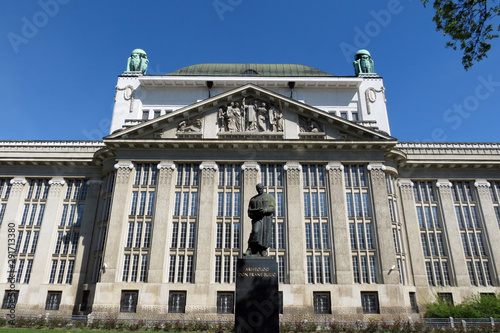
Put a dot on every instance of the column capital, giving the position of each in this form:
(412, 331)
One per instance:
(293, 173)
(334, 167)
(377, 171)
(18, 181)
(250, 166)
(444, 184)
(206, 166)
(161, 166)
(251, 171)
(17, 186)
(123, 171)
(482, 183)
(118, 166)
(335, 172)
(57, 182)
(406, 183)
(406, 188)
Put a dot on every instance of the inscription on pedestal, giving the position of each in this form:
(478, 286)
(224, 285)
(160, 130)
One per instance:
(257, 296)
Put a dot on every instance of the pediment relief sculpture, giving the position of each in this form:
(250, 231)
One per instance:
(249, 116)
(309, 125)
(190, 126)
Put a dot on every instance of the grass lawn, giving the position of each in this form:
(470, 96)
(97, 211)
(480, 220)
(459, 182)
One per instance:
(34, 330)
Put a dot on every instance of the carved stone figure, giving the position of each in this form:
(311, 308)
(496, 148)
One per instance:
(221, 118)
(231, 118)
(309, 125)
(260, 209)
(279, 121)
(189, 126)
(250, 111)
(138, 61)
(262, 118)
(240, 124)
(363, 63)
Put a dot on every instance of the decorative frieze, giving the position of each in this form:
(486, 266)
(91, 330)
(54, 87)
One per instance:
(17, 186)
(250, 173)
(208, 171)
(444, 187)
(483, 187)
(377, 171)
(293, 173)
(93, 186)
(335, 173)
(123, 171)
(406, 188)
(165, 171)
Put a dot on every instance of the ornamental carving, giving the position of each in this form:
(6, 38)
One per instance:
(250, 173)
(377, 171)
(93, 186)
(406, 188)
(335, 173)
(444, 187)
(123, 171)
(250, 116)
(483, 187)
(309, 125)
(293, 174)
(17, 185)
(208, 172)
(165, 171)
(371, 97)
(55, 186)
(190, 126)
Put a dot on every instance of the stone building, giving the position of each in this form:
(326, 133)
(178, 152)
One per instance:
(149, 222)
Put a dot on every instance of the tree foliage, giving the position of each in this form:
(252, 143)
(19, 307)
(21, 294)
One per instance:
(468, 24)
(477, 306)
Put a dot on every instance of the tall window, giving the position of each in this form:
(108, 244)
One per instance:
(184, 227)
(140, 220)
(396, 228)
(107, 188)
(495, 195)
(361, 224)
(471, 232)
(4, 196)
(317, 226)
(228, 232)
(432, 235)
(271, 177)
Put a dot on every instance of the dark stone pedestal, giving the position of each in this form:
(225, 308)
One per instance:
(257, 295)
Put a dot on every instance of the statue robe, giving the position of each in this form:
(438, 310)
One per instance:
(261, 209)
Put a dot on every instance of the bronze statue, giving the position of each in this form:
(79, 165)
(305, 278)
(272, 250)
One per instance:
(260, 210)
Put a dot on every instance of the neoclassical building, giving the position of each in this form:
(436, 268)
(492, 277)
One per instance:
(149, 222)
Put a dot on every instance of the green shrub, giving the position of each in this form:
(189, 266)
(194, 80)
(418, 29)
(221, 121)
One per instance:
(476, 306)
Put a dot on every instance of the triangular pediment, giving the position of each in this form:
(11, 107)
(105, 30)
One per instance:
(250, 112)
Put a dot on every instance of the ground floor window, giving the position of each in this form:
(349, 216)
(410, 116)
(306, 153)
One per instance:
(177, 302)
(369, 301)
(53, 300)
(225, 302)
(322, 302)
(10, 299)
(413, 302)
(128, 301)
(446, 297)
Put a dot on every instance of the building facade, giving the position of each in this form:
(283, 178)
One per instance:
(149, 222)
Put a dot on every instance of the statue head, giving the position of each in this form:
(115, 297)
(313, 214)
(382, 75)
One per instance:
(363, 63)
(260, 188)
(138, 61)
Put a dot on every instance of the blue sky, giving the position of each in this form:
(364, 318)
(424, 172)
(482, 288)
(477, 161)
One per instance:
(61, 58)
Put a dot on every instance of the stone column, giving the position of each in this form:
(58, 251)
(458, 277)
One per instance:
(10, 218)
(207, 212)
(45, 246)
(251, 177)
(160, 243)
(383, 225)
(417, 260)
(450, 224)
(491, 233)
(295, 221)
(341, 248)
(117, 223)
(86, 229)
